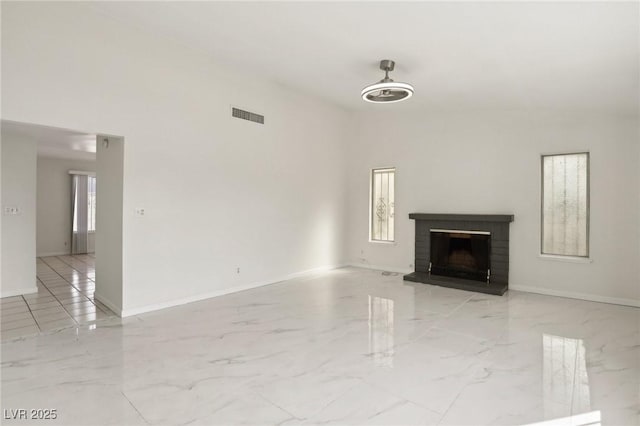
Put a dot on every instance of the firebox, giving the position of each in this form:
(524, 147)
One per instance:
(460, 253)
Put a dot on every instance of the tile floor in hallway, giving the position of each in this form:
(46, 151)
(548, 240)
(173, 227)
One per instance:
(349, 346)
(64, 298)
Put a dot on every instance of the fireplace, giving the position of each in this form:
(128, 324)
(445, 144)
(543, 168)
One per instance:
(463, 254)
(463, 251)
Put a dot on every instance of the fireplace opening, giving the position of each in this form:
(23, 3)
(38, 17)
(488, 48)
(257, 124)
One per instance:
(463, 254)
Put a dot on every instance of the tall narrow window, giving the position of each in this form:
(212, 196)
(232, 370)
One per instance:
(91, 198)
(83, 210)
(565, 204)
(382, 204)
(91, 204)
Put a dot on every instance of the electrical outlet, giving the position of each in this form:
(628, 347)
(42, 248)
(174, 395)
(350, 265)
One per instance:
(238, 270)
(140, 211)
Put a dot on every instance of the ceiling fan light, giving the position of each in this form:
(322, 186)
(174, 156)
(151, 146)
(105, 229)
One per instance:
(387, 91)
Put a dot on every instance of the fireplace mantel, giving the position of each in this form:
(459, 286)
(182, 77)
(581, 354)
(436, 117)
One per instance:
(497, 225)
(462, 217)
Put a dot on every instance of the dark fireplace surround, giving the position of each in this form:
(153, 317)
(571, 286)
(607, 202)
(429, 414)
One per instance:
(463, 251)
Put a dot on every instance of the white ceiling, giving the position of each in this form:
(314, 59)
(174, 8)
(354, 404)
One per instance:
(458, 55)
(54, 142)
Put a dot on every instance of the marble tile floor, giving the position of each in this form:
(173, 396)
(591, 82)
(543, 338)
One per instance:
(64, 299)
(349, 346)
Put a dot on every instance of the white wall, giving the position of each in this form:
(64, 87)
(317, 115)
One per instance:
(1, 221)
(18, 231)
(109, 231)
(53, 229)
(219, 193)
(490, 163)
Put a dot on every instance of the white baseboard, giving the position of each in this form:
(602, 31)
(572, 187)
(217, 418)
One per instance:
(528, 289)
(577, 295)
(382, 268)
(171, 303)
(109, 304)
(177, 302)
(57, 253)
(18, 292)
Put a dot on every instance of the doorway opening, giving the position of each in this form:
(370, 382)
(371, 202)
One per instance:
(69, 204)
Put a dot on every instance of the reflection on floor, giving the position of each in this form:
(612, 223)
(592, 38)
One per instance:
(64, 298)
(349, 346)
(565, 374)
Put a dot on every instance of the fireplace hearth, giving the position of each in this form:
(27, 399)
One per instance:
(468, 252)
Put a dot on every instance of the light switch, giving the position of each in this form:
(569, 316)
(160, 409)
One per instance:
(12, 211)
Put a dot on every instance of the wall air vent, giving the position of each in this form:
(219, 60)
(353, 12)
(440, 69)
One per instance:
(246, 115)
